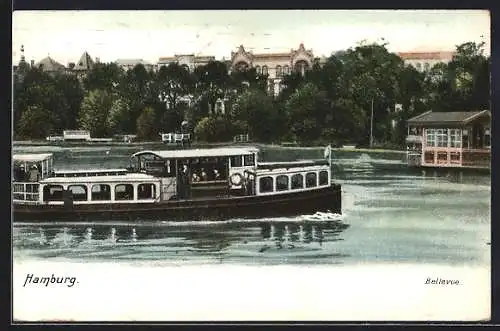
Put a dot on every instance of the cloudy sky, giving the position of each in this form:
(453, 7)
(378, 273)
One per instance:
(112, 35)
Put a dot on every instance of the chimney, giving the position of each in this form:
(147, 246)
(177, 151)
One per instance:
(97, 60)
(32, 63)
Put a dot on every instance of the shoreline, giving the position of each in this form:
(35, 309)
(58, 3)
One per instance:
(21, 143)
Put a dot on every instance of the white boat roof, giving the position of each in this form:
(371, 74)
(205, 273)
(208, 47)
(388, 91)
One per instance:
(31, 157)
(134, 177)
(205, 152)
(87, 171)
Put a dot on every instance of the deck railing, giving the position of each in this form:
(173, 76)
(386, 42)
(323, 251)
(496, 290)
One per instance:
(26, 191)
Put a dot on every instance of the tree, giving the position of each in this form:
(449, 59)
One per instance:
(94, 113)
(174, 82)
(72, 92)
(248, 78)
(146, 124)
(254, 110)
(35, 122)
(119, 116)
(306, 109)
(103, 76)
(212, 82)
(214, 129)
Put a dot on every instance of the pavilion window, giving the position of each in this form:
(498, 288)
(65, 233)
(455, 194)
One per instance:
(430, 137)
(465, 138)
(455, 138)
(487, 138)
(442, 137)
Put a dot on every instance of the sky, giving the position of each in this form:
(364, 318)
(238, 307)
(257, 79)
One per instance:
(148, 35)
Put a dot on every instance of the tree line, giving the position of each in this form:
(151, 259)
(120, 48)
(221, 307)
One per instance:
(332, 102)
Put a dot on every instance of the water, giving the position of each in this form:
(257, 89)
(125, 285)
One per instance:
(390, 214)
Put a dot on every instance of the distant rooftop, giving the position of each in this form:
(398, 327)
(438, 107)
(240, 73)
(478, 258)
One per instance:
(458, 117)
(426, 55)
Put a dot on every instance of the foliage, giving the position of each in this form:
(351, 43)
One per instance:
(254, 111)
(146, 125)
(94, 113)
(331, 102)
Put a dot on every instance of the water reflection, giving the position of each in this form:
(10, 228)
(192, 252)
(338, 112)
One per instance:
(239, 240)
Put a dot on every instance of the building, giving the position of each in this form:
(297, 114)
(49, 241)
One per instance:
(51, 66)
(188, 61)
(424, 61)
(127, 64)
(83, 66)
(450, 140)
(275, 65)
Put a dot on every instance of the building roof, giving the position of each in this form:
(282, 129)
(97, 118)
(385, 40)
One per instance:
(85, 63)
(131, 62)
(205, 152)
(31, 157)
(458, 117)
(49, 64)
(426, 55)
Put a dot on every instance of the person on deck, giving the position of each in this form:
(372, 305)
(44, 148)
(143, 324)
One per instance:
(204, 176)
(34, 174)
(184, 183)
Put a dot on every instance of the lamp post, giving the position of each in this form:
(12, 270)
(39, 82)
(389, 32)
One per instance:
(371, 127)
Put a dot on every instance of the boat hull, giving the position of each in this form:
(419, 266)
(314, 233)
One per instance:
(291, 204)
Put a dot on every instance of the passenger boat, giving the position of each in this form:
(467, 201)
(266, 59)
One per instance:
(212, 183)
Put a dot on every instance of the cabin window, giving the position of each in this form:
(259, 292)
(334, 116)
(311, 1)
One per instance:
(323, 177)
(311, 179)
(79, 192)
(249, 160)
(430, 137)
(146, 191)
(455, 138)
(442, 137)
(266, 184)
(297, 181)
(282, 183)
(236, 161)
(101, 192)
(124, 192)
(53, 193)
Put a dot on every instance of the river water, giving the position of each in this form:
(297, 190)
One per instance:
(391, 214)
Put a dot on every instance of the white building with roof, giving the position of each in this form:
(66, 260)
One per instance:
(424, 61)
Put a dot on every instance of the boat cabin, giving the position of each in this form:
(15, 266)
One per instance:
(28, 171)
(199, 172)
(450, 139)
(159, 176)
